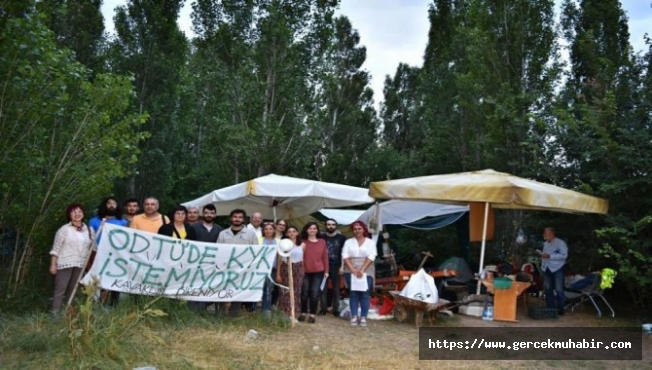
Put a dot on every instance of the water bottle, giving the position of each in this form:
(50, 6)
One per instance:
(488, 311)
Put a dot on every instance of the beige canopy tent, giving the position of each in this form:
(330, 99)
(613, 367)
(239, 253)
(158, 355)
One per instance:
(500, 190)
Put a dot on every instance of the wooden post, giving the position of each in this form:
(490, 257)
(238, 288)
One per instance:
(291, 286)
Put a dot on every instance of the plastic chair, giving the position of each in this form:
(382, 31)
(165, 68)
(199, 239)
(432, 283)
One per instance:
(576, 297)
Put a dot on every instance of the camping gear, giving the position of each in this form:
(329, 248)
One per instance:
(462, 271)
(494, 189)
(278, 197)
(502, 283)
(421, 287)
(398, 282)
(575, 298)
(505, 299)
(405, 307)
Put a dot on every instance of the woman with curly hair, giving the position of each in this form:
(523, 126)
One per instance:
(73, 243)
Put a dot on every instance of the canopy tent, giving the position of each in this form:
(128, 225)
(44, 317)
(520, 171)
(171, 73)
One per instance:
(500, 190)
(277, 196)
(401, 212)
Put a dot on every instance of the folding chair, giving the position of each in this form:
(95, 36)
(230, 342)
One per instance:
(575, 297)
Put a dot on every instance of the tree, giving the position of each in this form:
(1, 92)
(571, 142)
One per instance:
(403, 129)
(344, 112)
(604, 132)
(150, 46)
(78, 26)
(64, 139)
(260, 109)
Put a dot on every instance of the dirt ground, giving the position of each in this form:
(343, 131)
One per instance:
(333, 343)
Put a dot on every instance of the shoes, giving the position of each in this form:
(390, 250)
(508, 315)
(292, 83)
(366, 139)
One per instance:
(354, 321)
(302, 317)
(363, 321)
(561, 312)
(336, 313)
(311, 319)
(323, 312)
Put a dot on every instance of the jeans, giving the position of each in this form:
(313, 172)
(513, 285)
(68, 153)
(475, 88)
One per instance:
(359, 299)
(554, 282)
(310, 289)
(333, 294)
(267, 292)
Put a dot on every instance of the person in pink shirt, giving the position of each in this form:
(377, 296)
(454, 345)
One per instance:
(315, 265)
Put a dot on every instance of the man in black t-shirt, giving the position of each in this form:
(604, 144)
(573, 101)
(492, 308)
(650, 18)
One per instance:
(334, 243)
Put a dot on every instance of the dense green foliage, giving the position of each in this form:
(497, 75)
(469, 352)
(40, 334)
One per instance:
(277, 86)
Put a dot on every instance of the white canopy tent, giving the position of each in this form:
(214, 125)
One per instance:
(394, 212)
(277, 196)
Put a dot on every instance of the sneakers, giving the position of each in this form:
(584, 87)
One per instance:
(311, 319)
(354, 321)
(302, 317)
(363, 321)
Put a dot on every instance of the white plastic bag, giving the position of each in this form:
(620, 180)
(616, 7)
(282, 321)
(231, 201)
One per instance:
(421, 287)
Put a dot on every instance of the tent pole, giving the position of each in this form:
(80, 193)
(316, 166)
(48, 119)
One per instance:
(274, 210)
(484, 243)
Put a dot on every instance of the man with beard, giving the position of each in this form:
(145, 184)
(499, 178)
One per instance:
(107, 212)
(207, 232)
(192, 217)
(237, 233)
(334, 242)
(131, 209)
(151, 220)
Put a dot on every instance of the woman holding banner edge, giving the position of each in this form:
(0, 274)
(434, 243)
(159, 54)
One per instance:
(72, 246)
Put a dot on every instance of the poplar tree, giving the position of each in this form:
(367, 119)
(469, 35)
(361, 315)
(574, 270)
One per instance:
(604, 134)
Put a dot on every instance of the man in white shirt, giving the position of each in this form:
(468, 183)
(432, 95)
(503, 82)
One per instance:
(255, 221)
(553, 259)
(237, 233)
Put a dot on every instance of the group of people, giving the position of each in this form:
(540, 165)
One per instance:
(315, 259)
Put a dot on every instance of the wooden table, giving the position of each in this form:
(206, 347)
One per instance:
(505, 299)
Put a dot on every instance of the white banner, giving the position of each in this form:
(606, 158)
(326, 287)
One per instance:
(138, 262)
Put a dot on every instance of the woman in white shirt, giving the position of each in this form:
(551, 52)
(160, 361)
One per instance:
(73, 243)
(358, 255)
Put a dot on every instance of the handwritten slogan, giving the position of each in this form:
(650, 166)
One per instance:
(143, 263)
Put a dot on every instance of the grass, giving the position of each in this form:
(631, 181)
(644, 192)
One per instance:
(89, 336)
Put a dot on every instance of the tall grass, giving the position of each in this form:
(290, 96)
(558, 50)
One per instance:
(133, 334)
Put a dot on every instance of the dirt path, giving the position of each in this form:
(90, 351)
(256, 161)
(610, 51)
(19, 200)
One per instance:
(333, 343)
